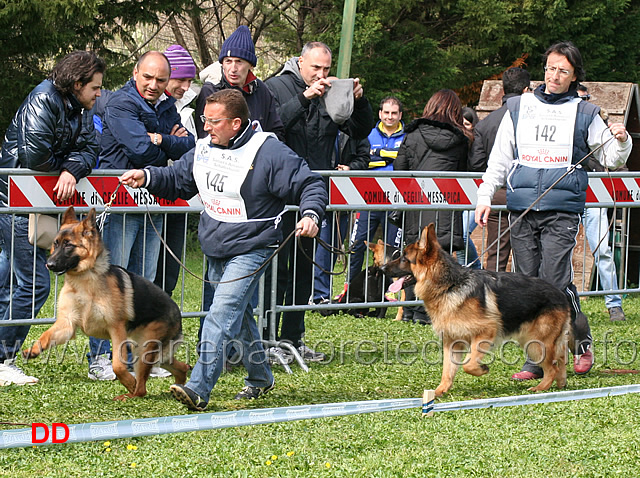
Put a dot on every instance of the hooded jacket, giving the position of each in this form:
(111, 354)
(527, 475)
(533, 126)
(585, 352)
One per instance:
(433, 146)
(262, 106)
(127, 119)
(309, 130)
(278, 177)
(49, 132)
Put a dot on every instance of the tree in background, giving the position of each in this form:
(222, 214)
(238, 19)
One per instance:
(413, 48)
(408, 48)
(35, 33)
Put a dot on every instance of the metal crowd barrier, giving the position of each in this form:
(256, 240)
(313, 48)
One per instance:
(350, 192)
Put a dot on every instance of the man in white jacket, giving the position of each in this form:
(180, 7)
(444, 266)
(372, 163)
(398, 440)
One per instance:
(539, 142)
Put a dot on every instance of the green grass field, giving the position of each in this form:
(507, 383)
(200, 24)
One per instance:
(369, 359)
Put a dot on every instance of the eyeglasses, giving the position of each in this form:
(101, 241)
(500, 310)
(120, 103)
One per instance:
(212, 122)
(553, 69)
(586, 97)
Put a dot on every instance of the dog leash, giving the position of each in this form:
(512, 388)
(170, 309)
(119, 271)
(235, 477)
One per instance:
(103, 215)
(100, 219)
(259, 269)
(519, 218)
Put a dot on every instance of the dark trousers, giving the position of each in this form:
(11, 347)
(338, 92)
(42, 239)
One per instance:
(291, 289)
(168, 269)
(543, 243)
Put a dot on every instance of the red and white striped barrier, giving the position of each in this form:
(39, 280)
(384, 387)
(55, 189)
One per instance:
(37, 191)
(360, 191)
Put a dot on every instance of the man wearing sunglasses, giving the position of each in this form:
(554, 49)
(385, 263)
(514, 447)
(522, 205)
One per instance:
(244, 179)
(539, 142)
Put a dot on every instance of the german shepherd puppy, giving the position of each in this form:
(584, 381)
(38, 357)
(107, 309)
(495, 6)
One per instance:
(471, 308)
(109, 302)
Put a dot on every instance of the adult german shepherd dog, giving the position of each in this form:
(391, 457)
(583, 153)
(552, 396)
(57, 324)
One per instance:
(109, 302)
(471, 308)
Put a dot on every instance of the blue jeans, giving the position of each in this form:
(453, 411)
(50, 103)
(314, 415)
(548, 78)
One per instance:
(469, 254)
(133, 246)
(230, 320)
(325, 258)
(363, 230)
(596, 225)
(27, 288)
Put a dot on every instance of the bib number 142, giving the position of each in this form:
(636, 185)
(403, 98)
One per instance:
(545, 133)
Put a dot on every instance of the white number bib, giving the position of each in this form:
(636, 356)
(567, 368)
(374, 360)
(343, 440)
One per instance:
(545, 133)
(219, 174)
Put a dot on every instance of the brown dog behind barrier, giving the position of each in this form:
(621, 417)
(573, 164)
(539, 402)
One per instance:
(109, 302)
(383, 254)
(471, 308)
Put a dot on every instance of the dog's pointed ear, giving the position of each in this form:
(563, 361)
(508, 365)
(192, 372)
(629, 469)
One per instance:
(432, 237)
(428, 238)
(69, 216)
(423, 243)
(90, 219)
(371, 245)
(380, 243)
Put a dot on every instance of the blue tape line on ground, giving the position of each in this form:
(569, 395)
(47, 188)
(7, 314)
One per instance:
(209, 421)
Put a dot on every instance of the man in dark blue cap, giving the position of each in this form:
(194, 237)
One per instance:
(238, 57)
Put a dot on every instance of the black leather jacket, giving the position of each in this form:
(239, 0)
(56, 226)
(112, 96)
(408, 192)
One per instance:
(50, 132)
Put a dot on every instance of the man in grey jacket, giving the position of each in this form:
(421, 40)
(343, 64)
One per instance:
(539, 144)
(311, 132)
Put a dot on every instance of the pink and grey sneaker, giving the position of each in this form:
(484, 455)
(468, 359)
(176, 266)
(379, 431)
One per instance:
(525, 375)
(583, 363)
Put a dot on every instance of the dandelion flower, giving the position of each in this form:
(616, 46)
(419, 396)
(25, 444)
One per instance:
(107, 449)
(107, 443)
(327, 464)
(274, 457)
(290, 453)
(268, 462)
(133, 465)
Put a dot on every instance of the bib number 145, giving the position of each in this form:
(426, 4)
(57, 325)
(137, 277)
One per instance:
(216, 182)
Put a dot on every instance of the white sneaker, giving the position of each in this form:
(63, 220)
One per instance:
(159, 372)
(11, 373)
(156, 372)
(101, 369)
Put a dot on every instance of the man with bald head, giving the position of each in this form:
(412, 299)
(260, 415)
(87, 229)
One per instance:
(311, 130)
(141, 127)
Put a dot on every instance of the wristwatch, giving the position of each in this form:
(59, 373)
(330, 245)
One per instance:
(312, 215)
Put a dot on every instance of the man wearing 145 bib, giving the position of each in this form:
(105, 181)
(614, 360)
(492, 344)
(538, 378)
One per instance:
(244, 179)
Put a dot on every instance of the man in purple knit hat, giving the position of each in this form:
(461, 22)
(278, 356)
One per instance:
(183, 72)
